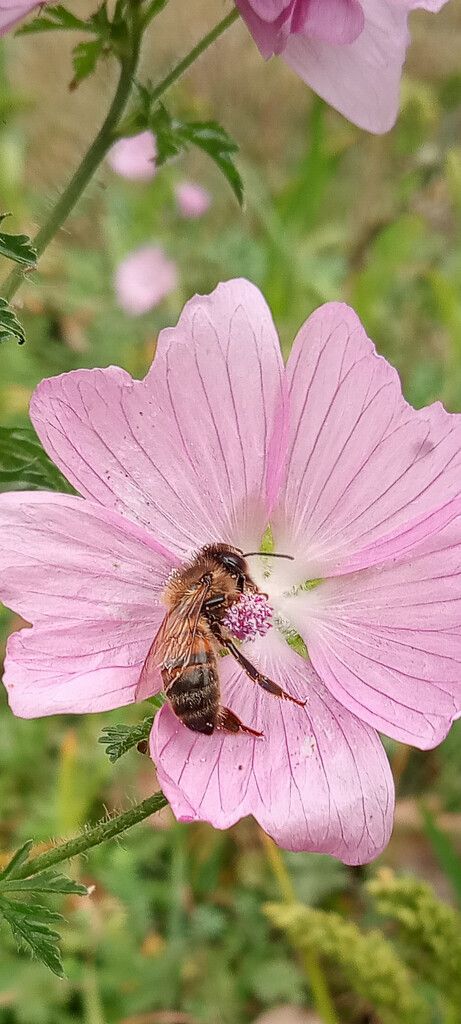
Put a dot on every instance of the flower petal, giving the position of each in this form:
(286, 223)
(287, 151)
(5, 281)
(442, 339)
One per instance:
(143, 279)
(362, 465)
(187, 452)
(402, 540)
(91, 584)
(317, 780)
(134, 157)
(192, 200)
(12, 11)
(334, 21)
(270, 10)
(387, 641)
(362, 79)
(269, 36)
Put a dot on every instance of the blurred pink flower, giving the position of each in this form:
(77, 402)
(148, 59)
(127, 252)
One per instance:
(134, 157)
(143, 279)
(12, 11)
(351, 53)
(193, 200)
(217, 440)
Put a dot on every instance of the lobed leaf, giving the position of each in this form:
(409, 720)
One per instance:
(17, 247)
(46, 881)
(57, 17)
(31, 928)
(173, 135)
(120, 738)
(85, 57)
(213, 139)
(9, 324)
(25, 465)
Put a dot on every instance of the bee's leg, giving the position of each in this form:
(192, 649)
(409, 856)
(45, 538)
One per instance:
(228, 721)
(214, 602)
(257, 677)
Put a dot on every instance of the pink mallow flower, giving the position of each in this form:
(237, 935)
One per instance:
(13, 11)
(192, 200)
(351, 53)
(143, 279)
(134, 157)
(216, 442)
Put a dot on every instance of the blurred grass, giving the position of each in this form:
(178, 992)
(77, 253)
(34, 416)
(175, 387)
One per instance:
(175, 922)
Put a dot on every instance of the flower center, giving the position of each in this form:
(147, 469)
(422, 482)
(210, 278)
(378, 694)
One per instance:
(249, 616)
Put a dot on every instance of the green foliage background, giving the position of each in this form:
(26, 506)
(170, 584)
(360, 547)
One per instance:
(175, 922)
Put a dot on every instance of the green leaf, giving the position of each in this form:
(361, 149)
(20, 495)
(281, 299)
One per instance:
(9, 324)
(168, 133)
(120, 738)
(46, 881)
(213, 139)
(25, 465)
(31, 927)
(172, 136)
(17, 859)
(17, 247)
(57, 17)
(85, 57)
(444, 850)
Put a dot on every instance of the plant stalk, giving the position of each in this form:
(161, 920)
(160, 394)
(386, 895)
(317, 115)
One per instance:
(311, 962)
(107, 135)
(93, 157)
(91, 837)
(194, 54)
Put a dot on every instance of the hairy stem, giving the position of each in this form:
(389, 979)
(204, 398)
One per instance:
(93, 157)
(311, 962)
(91, 837)
(107, 135)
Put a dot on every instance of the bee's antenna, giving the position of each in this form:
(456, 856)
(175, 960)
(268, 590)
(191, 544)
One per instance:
(268, 554)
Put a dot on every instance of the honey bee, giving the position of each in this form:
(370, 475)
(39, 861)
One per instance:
(192, 634)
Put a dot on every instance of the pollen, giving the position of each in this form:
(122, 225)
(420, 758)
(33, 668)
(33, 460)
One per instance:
(249, 616)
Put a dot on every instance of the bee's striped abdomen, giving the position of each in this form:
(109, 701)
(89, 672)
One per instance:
(193, 691)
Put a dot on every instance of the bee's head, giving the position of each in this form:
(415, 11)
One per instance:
(233, 562)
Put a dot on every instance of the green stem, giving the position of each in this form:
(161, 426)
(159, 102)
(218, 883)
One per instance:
(311, 962)
(106, 136)
(154, 8)
(91, 837)
(84, 172)
(193, 55)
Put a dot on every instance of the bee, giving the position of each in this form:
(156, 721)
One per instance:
(187, 645)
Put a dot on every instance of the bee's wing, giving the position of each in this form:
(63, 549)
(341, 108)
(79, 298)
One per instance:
(174, 640)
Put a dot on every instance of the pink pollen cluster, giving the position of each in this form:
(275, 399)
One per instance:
(249, 616)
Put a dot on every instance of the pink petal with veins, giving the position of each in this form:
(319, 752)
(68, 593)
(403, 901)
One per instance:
(90, 582)
(191, 452)
(318, 780)
(361, 463)
(387, 641)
